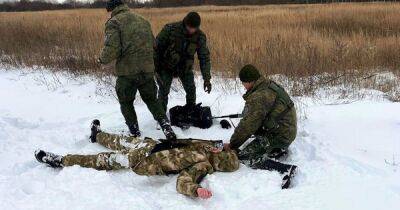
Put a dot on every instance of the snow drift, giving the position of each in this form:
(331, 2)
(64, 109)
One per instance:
(348, 155)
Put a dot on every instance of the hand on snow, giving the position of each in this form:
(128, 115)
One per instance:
(204, 193)
(207, 86)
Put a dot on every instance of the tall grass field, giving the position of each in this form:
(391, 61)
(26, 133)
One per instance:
(293, 40)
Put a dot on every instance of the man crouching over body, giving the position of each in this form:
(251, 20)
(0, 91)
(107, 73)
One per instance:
(192, 160)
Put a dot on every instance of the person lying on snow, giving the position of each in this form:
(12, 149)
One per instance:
(192, 160)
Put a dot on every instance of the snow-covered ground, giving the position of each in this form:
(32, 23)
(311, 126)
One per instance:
(348, 155)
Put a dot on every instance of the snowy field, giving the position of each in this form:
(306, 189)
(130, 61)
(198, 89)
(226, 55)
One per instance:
(348, 155)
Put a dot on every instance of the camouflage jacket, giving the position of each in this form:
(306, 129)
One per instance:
(262, 107)
(129, 40)
(192, 161)
(176, 49)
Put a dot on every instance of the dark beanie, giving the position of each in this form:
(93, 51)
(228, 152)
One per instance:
(192, 19)
(249, 73)
(112, 4)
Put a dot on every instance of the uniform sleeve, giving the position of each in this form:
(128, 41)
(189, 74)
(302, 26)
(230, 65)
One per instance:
(254, 114)
(112, 43)
(161, 44)
(189, 179)
(162, 39)
(203, 54)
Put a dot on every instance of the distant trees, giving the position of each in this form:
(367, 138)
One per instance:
(37, 5)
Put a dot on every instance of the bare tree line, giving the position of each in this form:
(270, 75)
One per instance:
(39, 5)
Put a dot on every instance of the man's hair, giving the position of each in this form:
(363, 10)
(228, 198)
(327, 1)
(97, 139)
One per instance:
(112, 4)
(192, 19)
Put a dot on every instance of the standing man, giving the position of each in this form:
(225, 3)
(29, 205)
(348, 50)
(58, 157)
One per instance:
(268, 127)
(129, 40)
(176, 45)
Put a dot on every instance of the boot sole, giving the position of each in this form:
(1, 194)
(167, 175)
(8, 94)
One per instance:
(288, 182)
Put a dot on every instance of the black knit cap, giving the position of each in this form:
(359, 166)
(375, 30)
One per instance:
(192, 19)
(249, 73)
(111, 4)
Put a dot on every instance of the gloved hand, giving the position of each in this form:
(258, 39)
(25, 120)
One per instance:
(203, 193)
(225, 124)
(207, 86)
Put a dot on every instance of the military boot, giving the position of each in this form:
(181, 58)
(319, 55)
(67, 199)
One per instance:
(278, 153)
(52, 160)
(94, 129)
(167, 130)
(287, 177)
(288, 171)
(134, 129)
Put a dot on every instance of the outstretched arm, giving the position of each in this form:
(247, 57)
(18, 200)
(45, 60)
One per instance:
(253, 116)
(188, 182)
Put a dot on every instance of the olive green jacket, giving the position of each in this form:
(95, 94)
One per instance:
(128, 40)
(261, 108)
(176, 49)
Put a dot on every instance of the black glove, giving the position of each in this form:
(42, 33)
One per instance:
(207, 86)
(225, 124)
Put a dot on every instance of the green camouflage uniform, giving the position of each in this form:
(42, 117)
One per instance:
(174, 57)
(129, 40)
(270, 116)
(192, 162)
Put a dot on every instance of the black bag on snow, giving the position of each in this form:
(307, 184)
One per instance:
(197, 116)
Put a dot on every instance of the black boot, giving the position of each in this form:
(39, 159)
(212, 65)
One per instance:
(287, 177)
(53, 160)
(134, 129)
(278, 153)
(166, 128)
(288, 171)
(95, 129)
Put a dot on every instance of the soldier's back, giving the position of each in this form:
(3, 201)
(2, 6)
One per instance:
(136, 44)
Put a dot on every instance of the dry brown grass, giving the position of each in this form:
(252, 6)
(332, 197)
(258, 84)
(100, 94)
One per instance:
(295, 40)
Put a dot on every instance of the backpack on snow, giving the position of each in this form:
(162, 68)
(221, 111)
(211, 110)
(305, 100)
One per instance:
(198, 116)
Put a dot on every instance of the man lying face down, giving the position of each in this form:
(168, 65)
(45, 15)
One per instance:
(192, 160)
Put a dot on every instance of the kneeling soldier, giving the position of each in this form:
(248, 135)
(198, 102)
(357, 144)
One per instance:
(269, 120)
(191, 160)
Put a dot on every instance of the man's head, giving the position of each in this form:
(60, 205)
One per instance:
(226, 161)
(192, 22)
(249, 75)
(112, 4)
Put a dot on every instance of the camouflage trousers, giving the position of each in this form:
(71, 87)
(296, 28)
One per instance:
(126, 89)
(164, 81)
(260, 148)
(128, 153)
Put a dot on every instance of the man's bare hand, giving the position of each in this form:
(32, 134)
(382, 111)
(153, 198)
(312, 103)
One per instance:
(203, 193)
(227, 146)
(216, 150)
